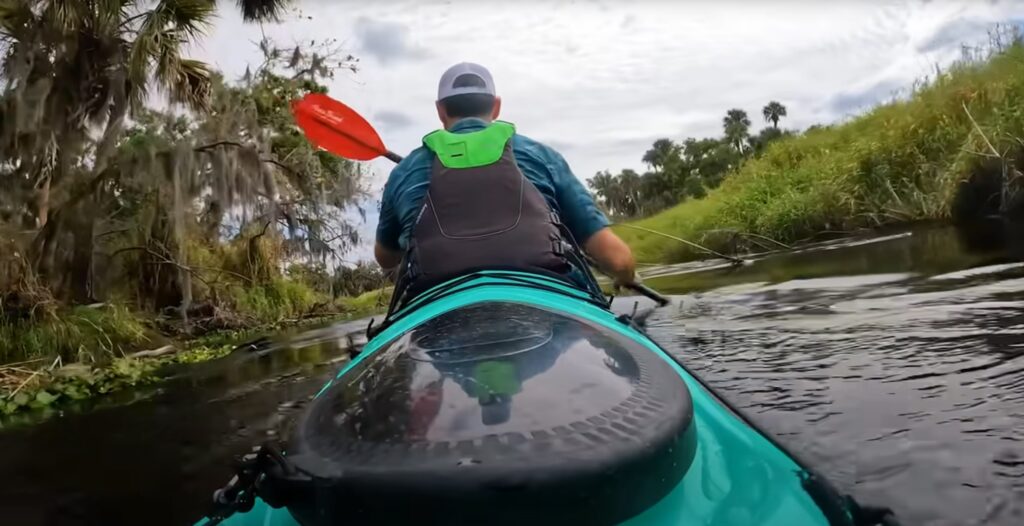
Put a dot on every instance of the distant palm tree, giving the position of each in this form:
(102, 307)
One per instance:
(737, 127)
(262, 10)
(630, 186)
(605, 187)
(661, 151)
(773, 112)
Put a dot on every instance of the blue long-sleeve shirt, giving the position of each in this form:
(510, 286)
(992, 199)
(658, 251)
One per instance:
(544, 167)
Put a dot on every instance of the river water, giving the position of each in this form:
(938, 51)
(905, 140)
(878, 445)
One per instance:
(893, 363)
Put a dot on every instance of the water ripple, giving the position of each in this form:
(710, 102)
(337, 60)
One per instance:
(908, 391)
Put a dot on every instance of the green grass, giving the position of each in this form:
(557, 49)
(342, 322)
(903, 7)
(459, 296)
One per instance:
(900, 162)
(97, 340)
(278, 300)
(98, 335)
(366, 303)
(81, 334)
(289, 299)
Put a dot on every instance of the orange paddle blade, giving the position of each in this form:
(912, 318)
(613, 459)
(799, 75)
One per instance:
(337, 128)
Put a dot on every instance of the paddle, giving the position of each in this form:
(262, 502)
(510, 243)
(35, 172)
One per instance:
(338, 129)
(335, 127)
(650, 293)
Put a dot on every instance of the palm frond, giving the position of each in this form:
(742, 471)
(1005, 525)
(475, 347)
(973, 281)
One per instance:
(156, 50)
(263, 10)
(137, 86)
(191, 18)
(170, 23)
(110, 14)
(67, 15)
(143, 49)
(15, 16)
(187, 82)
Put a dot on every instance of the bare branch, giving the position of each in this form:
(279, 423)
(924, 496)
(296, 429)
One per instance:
(188, 268)
(235, 144)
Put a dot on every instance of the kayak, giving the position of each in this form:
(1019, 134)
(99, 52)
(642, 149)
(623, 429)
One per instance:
(507, 397)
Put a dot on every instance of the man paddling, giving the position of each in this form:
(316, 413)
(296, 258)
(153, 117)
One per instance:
(478, 195)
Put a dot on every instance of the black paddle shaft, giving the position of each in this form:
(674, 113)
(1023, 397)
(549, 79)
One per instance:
(650, 293)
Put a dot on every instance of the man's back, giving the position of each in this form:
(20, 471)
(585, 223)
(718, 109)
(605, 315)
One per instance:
(546, 169)
(467, 102)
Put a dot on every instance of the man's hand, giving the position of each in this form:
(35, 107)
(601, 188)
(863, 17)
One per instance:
(613, 256)
(387, 258)
(624, 278)
(630, 284)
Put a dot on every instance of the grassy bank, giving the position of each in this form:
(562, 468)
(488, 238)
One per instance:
(954, 148)
(79, 334)
(88, 351)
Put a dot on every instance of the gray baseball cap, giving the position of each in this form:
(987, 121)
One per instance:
(446, 88)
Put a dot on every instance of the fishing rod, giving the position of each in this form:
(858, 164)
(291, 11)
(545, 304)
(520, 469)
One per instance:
(337, 128)
(731, 259)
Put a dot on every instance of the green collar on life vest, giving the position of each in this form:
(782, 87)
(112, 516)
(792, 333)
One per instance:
(472, 149)
(494, 377)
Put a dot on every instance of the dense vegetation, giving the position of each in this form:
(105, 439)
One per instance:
(686, 170)
(143, 193)
(953, 148)
(147, 199)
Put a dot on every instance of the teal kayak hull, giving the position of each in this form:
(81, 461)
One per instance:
(738, 476)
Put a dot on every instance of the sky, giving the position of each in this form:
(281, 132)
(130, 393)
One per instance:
(600, 80)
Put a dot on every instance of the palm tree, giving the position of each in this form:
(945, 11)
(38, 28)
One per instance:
(660, 153)
(69, 65)
(772, 112)
(737, 127)
(606, 188)
(630, 185)
(73, 66)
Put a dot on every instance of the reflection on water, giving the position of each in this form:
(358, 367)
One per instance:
(895, 364)
(929, 251)
(156, 461)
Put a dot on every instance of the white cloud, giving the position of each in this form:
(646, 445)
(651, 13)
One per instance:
(603, 80)
(386, 119)
(386, 41)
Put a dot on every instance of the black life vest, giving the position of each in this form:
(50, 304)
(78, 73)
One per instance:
(481, 213)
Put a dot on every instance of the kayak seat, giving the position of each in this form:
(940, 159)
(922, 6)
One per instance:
(495, 413)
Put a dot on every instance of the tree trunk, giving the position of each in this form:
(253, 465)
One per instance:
(44, 247)
(158, 286)
(80, 273)
(212, 220)
(184, 277)
(82, 205)
(42, 203)
(115, 124)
